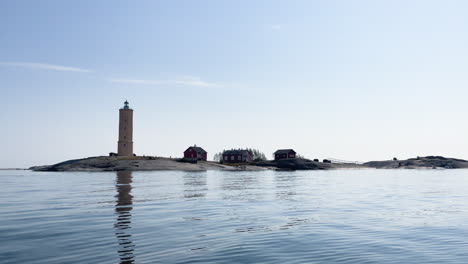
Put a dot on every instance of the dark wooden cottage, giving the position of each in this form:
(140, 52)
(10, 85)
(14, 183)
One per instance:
(195, 153)
(284, 154)
(237, 156)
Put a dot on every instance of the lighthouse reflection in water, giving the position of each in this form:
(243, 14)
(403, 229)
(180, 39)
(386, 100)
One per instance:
(123, 210)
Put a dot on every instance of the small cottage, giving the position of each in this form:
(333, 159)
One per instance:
(237, 156)
(195, 153)
(284, 154)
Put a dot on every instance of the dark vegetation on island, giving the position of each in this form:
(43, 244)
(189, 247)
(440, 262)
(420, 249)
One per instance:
(257, 155)
(305, 164)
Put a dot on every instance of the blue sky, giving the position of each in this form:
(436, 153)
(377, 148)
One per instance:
(353, 80)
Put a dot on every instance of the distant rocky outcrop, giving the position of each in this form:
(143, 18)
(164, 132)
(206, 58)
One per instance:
(433, 162)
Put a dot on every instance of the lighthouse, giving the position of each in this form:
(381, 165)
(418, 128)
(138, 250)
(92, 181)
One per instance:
(125, 143)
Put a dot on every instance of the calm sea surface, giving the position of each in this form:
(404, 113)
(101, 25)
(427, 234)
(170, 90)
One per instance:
(341, 216)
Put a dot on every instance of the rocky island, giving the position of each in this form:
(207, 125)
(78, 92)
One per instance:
(103, 163)
(429, 162)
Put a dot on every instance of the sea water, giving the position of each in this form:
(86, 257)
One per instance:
(337, 216)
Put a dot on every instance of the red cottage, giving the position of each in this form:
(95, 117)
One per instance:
(284, 154)
(237, 156)
(195, 153)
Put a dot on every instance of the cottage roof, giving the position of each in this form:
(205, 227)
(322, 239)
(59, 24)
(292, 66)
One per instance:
(197, 149)
(236, 152)
(284, 151)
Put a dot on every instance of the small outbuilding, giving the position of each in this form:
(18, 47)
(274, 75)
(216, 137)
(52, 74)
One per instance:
(284, 154)
(237, 156)
(195, 153)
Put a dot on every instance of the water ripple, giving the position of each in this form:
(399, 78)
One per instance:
(346, 216)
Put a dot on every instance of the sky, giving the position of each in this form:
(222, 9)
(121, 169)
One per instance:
(351, 80)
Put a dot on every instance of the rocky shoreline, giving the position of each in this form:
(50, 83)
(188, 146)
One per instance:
(104, 163)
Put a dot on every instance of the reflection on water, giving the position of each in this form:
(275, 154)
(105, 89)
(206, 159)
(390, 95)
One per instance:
(240, 186)
(285, 185)
(123, 208)
(195, 185)
(239, 182)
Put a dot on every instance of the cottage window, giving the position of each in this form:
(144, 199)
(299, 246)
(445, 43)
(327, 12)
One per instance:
(225, 157)
(232, 157)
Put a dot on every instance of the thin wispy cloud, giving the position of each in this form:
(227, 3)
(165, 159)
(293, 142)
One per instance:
(42, 66)
(184, 80)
